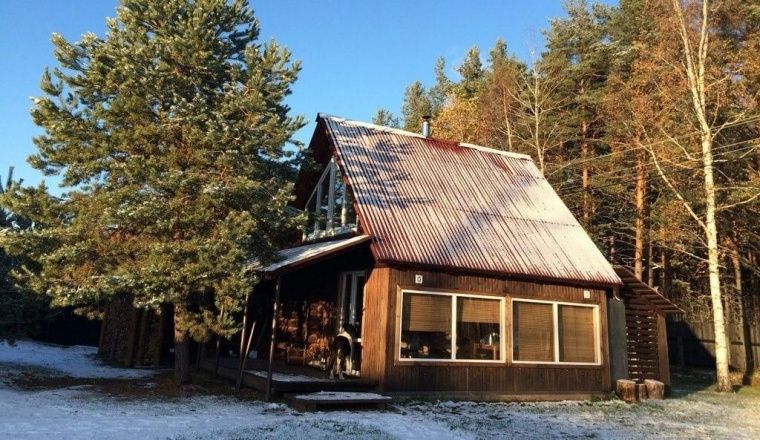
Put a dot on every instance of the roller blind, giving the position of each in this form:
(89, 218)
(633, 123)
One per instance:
(426, 313)
(533, 331)
(576, 334)
(478, 310)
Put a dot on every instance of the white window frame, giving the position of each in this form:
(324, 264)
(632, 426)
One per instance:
(555, 312)
(329, 228)
(355, 310)
(453, 296)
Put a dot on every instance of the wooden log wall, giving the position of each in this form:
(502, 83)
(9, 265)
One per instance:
(380, 347)
(132, 337)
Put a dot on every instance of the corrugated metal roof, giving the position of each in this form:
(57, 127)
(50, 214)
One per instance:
(633, 287)
(301, 255)
(433, 202)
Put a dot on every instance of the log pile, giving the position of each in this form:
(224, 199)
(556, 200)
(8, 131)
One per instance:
(631, 391)
(305, 331)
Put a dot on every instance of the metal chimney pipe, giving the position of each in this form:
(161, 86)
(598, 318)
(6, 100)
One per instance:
(426, 125)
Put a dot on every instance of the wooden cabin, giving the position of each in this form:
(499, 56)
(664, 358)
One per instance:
(452, 269)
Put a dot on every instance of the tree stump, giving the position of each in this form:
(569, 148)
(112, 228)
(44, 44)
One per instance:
(641, 391)
(626, 390)
(655, 389)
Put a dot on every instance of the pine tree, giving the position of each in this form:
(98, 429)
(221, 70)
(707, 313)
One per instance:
(170, 135)
(498, 103)
(417, 104)
(20, 310)
(386, 118)
(471, 71)
(575, 47)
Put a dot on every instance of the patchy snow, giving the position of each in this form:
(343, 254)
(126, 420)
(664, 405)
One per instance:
(341, 395)
(75, 361)
(83, 412)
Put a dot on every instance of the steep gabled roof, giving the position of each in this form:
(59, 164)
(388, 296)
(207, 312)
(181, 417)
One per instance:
(444, 204)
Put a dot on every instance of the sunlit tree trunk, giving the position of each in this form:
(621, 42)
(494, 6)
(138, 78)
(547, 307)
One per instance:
(640, 232)
(695, 64)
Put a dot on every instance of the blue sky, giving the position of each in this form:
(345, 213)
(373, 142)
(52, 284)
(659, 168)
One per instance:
(357, 56)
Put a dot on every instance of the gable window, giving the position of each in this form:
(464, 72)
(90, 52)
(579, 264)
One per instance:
(330, 207)
(554, 332)
(450, 327)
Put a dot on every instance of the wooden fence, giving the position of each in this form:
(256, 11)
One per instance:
(693, 344)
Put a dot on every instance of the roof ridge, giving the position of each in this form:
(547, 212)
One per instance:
(370, 125)
(420, 136)
(495, 151)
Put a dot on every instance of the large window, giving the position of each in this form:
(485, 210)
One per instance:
(453, 327)
(552, 332)
(330, 207)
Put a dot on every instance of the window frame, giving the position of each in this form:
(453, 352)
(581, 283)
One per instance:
(355, 309)
(453, 296)
(555, 329)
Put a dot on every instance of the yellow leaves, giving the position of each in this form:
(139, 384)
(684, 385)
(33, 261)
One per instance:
(459, 120)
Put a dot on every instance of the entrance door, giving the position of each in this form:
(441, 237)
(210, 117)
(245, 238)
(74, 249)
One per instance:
(351, 302)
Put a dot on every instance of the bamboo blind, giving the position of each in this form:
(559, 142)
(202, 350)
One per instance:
(576, 334)
(477, 310)
(533, 325)
(426, 313)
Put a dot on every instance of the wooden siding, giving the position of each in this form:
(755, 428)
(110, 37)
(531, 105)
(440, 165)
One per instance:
(374, 324)
(380, 340)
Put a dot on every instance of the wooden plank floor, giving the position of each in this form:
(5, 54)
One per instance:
(286, 378)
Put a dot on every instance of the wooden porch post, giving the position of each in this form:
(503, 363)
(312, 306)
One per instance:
(272, 341)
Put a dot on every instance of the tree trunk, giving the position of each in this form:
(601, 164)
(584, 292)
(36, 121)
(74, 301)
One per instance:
(666, 281)
(713, 263)
(695, 63)
(613, 251)
(584, 175)
(745, 354)
(181, 347)
(650, 264)
(638, 261)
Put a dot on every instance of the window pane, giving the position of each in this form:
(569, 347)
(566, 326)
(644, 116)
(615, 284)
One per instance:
(478, 329)
(577, 341)
(426, 326)
(533, 331)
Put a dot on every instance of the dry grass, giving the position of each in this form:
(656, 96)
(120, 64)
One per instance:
(160, 385)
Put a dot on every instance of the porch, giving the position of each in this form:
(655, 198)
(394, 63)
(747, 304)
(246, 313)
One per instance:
(286, 378)
(305, 302)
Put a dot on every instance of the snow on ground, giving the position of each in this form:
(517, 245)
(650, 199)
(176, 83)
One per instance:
(75, 361)
(82, 412)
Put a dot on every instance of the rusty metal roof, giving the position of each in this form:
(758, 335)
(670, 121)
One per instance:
(439, 203)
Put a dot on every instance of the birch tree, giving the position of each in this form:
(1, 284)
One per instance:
(702, 79)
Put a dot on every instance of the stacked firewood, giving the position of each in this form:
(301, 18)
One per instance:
(305, 331)
(319, 329)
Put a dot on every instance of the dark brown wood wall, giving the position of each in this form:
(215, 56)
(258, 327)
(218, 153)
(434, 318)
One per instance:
(380, 340)
(132, 337)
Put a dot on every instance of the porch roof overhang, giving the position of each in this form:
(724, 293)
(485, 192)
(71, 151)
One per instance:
(294, 258)
(640, 290)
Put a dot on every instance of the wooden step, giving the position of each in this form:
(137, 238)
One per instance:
(325, 400)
